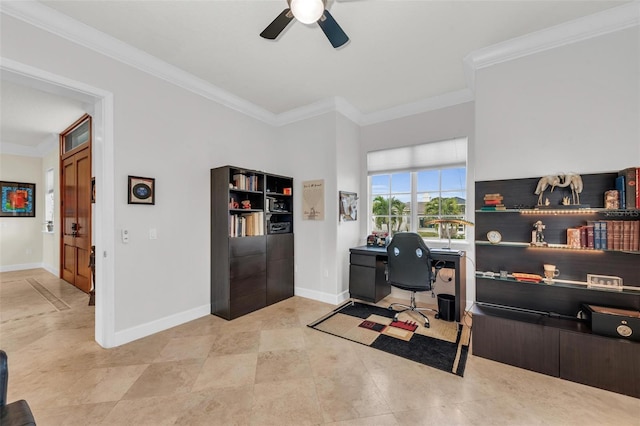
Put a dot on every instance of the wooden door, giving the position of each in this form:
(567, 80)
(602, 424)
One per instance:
(75, 184)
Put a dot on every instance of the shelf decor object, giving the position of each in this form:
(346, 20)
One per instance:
(18, 199)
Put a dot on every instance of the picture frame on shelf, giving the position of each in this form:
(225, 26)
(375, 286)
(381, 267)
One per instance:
(608, 282)
(18, 199)
(141, 190)
(348, 206)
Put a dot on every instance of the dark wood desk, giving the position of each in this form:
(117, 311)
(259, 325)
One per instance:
(367, 279)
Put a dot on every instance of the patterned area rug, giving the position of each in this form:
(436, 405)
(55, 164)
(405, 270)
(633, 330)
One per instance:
(444, 345)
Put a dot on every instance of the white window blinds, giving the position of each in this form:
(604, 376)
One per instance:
(440, 154)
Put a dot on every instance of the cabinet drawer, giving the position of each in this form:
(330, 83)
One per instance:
(280, 246)
(241, 267)
(247, 246)
(363, 260)
(246, 303)
(530, 346)
(603, 362)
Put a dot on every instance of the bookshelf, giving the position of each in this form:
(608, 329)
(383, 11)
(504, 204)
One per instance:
(252, 257)
(535, 325)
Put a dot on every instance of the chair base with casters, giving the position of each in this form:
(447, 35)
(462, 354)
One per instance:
(412, 308)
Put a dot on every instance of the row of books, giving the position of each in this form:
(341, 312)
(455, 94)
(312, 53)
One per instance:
(627, 186)
(493, 202)
(246, 183)
(246, 225)
(606, 235)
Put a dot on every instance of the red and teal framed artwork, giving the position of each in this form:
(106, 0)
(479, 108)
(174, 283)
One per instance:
(18, 199)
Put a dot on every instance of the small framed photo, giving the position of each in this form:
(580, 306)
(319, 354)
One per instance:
(141, 190)
(607, 282)
(348, 206)
(18, 199)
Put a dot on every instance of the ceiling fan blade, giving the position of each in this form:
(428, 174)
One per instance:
(332, 30)
(278, 25)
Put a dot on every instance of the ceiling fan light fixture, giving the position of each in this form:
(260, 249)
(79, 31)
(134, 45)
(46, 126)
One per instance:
(307, 11)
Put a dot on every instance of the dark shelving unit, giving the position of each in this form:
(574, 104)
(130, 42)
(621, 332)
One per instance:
(537, 326)
(252, 264)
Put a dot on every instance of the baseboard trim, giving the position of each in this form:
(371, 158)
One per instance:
(161, 324)
(334, 299)
(52, 269)
(21, 267)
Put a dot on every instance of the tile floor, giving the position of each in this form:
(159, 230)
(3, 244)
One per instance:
(266, 368)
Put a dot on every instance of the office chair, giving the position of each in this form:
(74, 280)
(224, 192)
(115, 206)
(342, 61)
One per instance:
(410, 268)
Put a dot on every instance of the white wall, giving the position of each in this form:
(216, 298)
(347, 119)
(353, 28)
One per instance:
(348, 170)
(21, 242)
(308, 152)
(574, 108)
(165, 132)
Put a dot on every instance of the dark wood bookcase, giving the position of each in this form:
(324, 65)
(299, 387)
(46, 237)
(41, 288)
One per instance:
(537, 325)
(252, 256)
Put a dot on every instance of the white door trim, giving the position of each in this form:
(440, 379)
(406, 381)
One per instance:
(103, 170)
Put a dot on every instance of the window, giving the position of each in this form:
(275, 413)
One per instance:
(434, 181)
(49, 201)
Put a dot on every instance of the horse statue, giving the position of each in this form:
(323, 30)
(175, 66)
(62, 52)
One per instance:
(545, 182)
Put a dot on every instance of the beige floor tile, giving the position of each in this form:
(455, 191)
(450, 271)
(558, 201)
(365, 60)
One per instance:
(73, 415)
(188, 347)
(282, 365)
(166, 378)
(265, 368)
(281, 339)
(236, 342)
(227, 371)
(289, 402)
(349, 396)
(152, 411)
(224, 407)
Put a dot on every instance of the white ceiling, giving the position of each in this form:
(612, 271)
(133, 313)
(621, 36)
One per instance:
(399, 51)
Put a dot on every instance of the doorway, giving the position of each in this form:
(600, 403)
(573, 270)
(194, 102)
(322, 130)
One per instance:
(75, 203)
(103, 169)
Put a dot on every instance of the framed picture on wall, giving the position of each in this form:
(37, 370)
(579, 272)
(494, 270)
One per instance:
(348, 202)
(18, 199)
(141, 190)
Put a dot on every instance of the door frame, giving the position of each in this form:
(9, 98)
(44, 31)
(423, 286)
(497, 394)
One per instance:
(103, 170)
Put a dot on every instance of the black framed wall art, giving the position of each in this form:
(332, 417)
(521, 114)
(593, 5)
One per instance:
(141, 190)
(18, 199)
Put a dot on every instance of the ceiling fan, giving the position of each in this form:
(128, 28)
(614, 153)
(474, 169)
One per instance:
(307, 12)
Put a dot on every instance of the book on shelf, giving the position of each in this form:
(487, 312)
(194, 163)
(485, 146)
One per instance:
(246, 225)
(244, 182)
(630, 175)
(573, 238)
(620, 186)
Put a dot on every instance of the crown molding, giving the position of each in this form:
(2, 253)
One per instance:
(66, 27)
(50, 20)
(601, 23)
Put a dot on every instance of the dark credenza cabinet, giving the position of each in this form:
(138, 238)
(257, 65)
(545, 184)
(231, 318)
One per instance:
(249, 272)
(536, 326)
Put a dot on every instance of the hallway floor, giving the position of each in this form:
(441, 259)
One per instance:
(266, 368)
